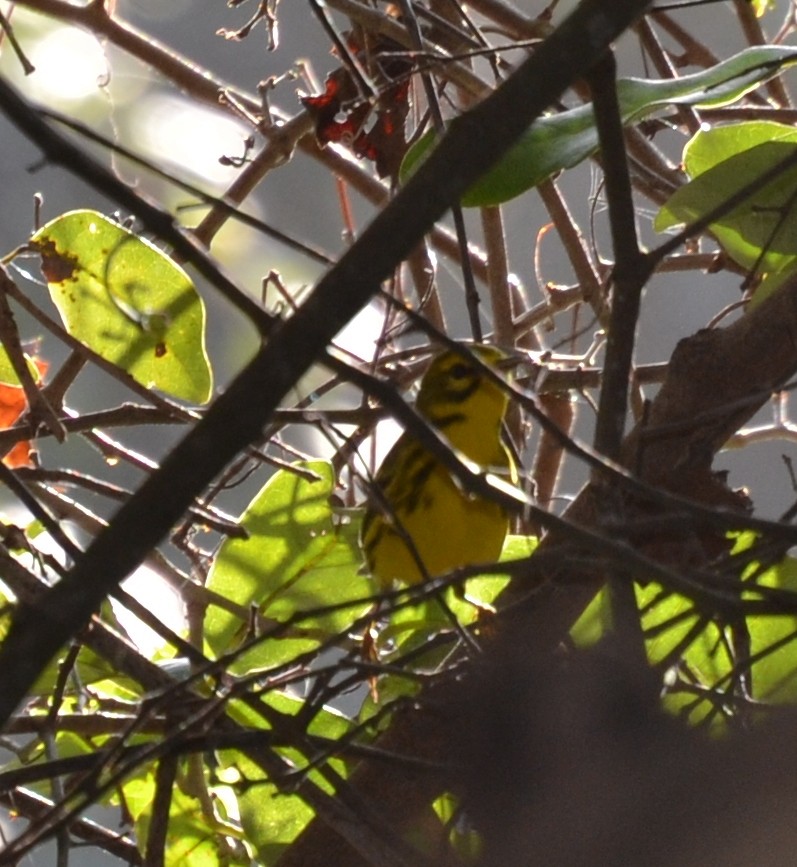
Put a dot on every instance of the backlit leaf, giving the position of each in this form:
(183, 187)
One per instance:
(296, 559)
(759, 232)
(128, 301)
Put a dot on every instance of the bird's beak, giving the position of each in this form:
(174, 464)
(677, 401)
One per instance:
(513, 360)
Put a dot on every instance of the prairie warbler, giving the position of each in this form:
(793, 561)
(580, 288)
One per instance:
(419, 513)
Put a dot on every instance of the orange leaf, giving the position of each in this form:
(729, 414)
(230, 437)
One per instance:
(12, 404)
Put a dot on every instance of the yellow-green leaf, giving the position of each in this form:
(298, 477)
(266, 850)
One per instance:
(128, 301)
(296, 559)
(758, 232)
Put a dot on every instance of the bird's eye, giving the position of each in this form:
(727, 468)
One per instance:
(460, 371)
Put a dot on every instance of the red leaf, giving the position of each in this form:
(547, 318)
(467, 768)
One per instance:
(341, 113)
(12, 404)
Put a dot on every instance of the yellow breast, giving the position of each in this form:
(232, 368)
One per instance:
(419, 521)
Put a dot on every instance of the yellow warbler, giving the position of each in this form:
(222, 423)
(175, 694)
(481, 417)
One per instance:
(419, 511)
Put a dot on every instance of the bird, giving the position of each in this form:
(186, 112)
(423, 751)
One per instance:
(420, 521)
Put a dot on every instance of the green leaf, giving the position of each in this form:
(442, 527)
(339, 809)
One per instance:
(462, 835)
(65, 745)
(761, 7)
(761, 231)
(677, 635)
(560, 141)
(773, 638)
(8, 375)
(193, 838)
(271, 819)
(667, 620)
(91, 669)
(46, 681)
(124, 298)
(485, 589)
(296, 559)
